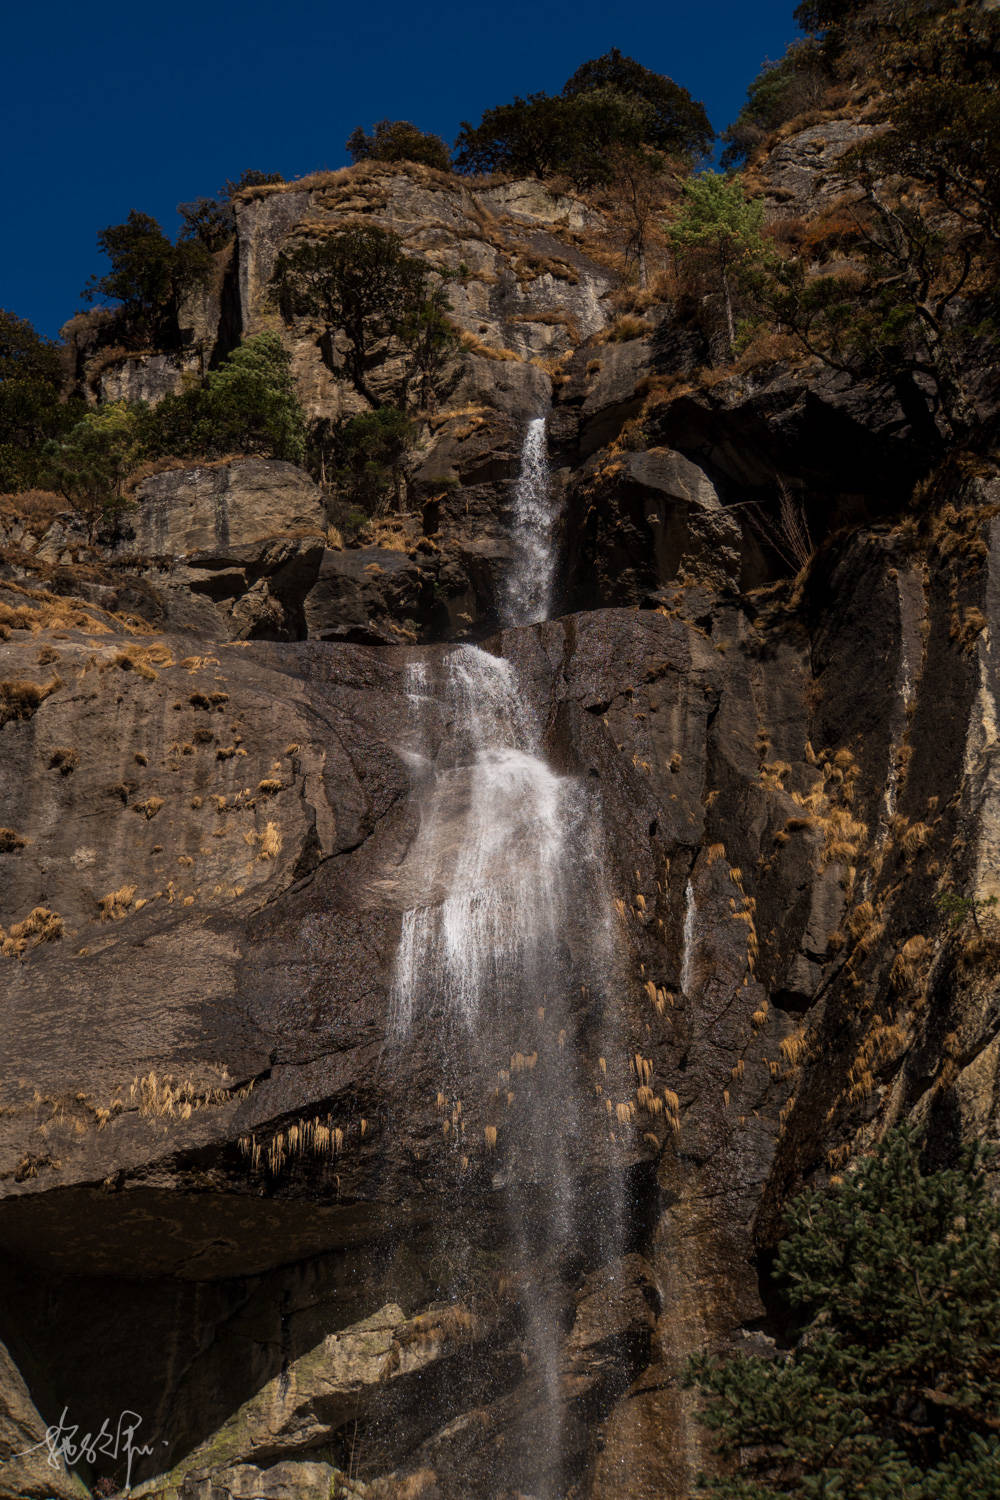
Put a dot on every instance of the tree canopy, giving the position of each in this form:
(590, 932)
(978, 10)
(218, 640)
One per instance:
(398, 140)
(675, 124)
(148, 279)
(780, 91)
(90, 464)
(608, 102)
(247, 405)
(716, 218)
(891, 1388)
(362, 284)
(32, 406)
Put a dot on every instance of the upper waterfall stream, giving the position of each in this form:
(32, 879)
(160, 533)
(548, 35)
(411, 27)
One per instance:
(528, 591)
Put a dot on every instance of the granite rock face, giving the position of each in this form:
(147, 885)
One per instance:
(203, 1128)
(231, 1201)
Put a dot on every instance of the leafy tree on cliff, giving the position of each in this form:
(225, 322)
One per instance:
(398, 140)
(362, 284)
(370, 449)
(91, 463)
(919, 220)
(717, 220)
(891, 1389)
(149, 278)
(612, 101)
(32, 407)
(211, 222)
(781, 90)
(676, 124)
(247, 405)
(429, 337)
(522, 138)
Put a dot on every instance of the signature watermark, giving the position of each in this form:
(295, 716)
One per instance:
(67, 1447)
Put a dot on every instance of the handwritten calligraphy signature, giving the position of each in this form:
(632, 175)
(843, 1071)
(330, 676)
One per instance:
(66, 1449)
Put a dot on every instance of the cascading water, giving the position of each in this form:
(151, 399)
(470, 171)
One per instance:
(504, 955)
(494, 829)
(528, 592)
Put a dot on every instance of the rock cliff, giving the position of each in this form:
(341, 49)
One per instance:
(229, 1204)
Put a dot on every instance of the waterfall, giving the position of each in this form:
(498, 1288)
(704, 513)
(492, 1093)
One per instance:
(503, 961)
(528, 592)
(490, 853)
(687, 949)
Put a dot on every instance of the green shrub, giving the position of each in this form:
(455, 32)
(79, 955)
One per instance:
(33, 409)
(248, 405)
(91, 463)
(891, 1388)
(398, 140)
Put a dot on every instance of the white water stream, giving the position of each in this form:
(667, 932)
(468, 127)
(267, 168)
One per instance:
(493, 832)
(528, 591)
(508, 916)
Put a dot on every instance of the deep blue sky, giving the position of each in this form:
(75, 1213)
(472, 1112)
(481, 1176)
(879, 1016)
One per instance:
(139, 105)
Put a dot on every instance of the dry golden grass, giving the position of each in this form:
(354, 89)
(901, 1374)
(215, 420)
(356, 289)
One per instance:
(167, 1096)
(623, 329)
(40, 926)
(315, 1137)
(474, 345)
(916, 837)
(20, 699)
(267, 843)
(36, 609)
(882, 1042)
(149, 808)
(792, 1049)
(114, 907)
(906, 965)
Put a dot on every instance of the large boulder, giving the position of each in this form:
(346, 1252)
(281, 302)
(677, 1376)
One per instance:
(212, 508)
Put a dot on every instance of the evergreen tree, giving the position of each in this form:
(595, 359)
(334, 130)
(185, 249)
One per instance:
(717, 219)
(891, 1390)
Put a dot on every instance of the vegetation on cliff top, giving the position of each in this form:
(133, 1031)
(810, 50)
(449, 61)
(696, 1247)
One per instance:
(889, 281)
(610, 104)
